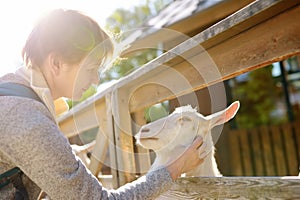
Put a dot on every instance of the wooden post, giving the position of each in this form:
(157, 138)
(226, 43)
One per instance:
(142, 155)
(99, 151)
(123, 136)
(112, 142)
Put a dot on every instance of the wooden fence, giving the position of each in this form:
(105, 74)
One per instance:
(263, 151)
(259, 34)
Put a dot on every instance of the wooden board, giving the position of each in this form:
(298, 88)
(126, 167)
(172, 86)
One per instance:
(277, 144)
(83, 117)
(195, 68)
(296, 127)
(235, 188)
(246, 153)
(257, 153)
(269, 162)
(264, 151)
(236, 165)
(290, 149)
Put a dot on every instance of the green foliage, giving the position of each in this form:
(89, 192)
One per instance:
(125, 66)
(156, 112)
(121, 23)
(257, 96)
(123, 20)
(89, 92)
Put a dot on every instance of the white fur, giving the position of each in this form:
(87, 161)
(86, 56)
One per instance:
(171, 135)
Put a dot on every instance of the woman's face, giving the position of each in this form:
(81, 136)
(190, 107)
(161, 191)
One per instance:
(87, 74)
(75, 79)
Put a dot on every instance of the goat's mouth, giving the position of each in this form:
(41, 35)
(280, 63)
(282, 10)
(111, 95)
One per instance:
(146, 142)
(148, 138)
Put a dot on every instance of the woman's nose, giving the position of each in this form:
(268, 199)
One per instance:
(95, 80)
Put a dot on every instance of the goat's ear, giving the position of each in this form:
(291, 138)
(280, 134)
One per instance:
(224, 115)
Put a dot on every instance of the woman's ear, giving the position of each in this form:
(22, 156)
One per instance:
(54, 63)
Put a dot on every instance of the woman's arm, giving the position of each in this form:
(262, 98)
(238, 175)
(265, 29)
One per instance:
(35, 144)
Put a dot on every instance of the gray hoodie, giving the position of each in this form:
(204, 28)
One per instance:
(31, 140)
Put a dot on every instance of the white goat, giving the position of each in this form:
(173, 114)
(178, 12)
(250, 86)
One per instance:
(169, 136)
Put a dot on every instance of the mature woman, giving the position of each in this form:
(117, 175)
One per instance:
(62, 56)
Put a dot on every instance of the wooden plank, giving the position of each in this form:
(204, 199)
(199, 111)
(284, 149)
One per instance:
(81, 118)
(290, 149)
(99, 152)
(269, 161)
(236, 168)
(280, 162)
(142, 155)
(257, 153)
(217, 64)
(235, 188)
(112, 143)
(123, 136)
(296, 127)
(223, 158)
(246, 153)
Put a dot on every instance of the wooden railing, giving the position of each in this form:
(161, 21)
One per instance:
(259, 34)
(235, 188)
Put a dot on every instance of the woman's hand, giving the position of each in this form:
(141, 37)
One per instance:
(193, 156)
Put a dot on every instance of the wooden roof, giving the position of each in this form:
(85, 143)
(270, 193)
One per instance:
(183, 19)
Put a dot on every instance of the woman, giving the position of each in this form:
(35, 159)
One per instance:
(62, 56)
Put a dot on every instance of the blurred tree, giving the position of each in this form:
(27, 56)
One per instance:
(123, 20)
(258, 95)
(121, 23)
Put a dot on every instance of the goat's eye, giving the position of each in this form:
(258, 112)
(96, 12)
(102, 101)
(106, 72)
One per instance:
(145, 130)
(185, 119)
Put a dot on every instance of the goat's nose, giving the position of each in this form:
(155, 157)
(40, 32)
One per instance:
(144, 130)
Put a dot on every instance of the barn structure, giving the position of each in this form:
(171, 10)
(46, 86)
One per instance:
(205, 44)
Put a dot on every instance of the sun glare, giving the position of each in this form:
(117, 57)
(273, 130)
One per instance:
(17, 18)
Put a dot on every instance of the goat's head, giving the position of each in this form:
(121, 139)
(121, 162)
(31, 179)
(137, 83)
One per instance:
(181, 127)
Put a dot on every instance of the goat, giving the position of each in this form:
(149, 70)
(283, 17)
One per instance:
(168, 137)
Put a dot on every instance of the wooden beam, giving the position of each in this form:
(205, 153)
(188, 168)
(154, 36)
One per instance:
(86, 116)
(235, 188)
(100, 150)
(263, 44)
